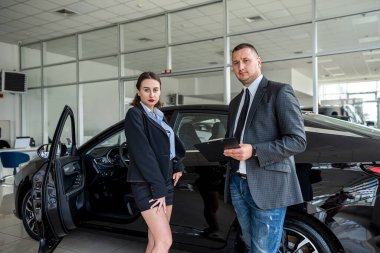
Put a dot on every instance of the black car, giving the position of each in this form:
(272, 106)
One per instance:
(70, 186)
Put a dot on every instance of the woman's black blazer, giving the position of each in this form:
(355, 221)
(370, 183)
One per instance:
(149, 151)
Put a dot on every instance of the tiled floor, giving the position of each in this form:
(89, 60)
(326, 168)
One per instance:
(14, 239)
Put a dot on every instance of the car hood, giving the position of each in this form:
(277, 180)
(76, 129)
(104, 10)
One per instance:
(332, 140)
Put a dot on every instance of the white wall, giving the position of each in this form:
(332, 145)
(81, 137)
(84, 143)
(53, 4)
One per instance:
(301, 82)
(283, 76)
(201, 86)
(302, 85)
(10, 103)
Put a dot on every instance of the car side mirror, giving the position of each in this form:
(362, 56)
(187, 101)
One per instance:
(43, 151)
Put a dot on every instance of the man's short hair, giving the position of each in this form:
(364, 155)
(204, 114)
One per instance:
(245, 45)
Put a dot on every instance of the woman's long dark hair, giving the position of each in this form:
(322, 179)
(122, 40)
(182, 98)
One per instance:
(146, 75)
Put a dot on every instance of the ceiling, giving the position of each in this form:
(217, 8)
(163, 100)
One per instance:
(33, 20)
(25, 21)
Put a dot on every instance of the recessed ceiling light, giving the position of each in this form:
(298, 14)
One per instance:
(254, 19)
(66, 12)
(364, 20)
(324, 60)
(332, 68)
(144, 39)
(369, 39)
(338, 74)
(371, 52)
(372, 60)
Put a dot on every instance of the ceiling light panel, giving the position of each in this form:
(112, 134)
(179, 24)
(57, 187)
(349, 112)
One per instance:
(324, 60)
(364, 20)
(373, 52)
(369, 39)
(373, 60)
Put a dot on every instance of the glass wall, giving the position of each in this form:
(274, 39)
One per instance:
(187, 47)
(100, 68)
(55, 100)
(328, 9)
(198, 55)
(60, 74)
(347, 33)
(280, 43)
(34, 77)
(98, 43)
(133, 64)
(145, 34)
(33, 115)
(100, 107)
(60, 50)
(30, 55)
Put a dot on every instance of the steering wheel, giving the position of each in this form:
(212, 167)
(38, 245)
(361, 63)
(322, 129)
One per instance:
(123, 153)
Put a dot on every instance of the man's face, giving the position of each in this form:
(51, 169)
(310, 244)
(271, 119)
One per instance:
(246, 65)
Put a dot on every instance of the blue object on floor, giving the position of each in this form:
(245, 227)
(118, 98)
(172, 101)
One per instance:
(12, 160)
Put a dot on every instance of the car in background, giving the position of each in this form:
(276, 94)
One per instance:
(345, 112)
(86, 186)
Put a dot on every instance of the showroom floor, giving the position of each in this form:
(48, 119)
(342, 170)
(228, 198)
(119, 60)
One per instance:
(14, 239)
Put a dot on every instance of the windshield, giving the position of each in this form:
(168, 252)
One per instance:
(341, 125)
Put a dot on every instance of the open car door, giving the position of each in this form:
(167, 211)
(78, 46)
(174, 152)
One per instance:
(57, 189)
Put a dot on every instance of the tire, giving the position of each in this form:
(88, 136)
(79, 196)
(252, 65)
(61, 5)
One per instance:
(306, 235)
(302, 235)
(28, 218)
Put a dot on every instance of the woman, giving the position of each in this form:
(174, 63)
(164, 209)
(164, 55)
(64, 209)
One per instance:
(156, 155)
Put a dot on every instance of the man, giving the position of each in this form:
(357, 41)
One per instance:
(266, 118)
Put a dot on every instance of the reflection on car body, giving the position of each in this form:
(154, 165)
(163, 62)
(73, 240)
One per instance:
(342, 211)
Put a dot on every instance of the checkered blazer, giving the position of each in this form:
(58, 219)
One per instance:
(275, 128)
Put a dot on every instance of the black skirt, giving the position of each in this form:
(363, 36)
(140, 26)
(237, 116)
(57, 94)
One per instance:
(142, 193)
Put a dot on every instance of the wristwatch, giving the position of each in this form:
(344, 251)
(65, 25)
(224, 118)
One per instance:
(254, 151)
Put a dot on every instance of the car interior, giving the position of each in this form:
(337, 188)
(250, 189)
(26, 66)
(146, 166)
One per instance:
(109, 194)
(106, 164)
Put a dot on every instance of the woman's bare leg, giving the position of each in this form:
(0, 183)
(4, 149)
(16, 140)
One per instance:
(150, 245)
(159, 232)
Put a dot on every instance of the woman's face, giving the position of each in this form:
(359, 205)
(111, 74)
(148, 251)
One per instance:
(149, 92)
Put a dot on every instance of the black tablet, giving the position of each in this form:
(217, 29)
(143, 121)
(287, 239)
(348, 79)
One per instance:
(213, 150)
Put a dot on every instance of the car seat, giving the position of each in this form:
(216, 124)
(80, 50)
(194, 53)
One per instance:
(188, 136)
(217, 131)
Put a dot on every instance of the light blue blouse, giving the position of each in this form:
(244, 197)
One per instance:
(158, 117)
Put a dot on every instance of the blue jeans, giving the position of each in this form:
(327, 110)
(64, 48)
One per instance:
(262, 229)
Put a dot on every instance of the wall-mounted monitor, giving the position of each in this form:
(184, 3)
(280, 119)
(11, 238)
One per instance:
(12, 82)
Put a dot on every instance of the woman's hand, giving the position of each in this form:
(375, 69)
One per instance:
(176, 177)
(159, 203)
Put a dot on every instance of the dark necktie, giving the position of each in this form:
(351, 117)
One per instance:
(242, 116)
